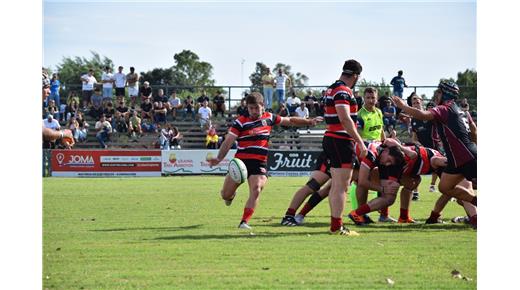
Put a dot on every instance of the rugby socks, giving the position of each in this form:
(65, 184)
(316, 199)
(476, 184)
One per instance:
(473, 221)
(405, 214)
(335, 223)
(362, 210)
(290, 212)
(384, 212)
(434, 215)
(312, 203)
(248, 213)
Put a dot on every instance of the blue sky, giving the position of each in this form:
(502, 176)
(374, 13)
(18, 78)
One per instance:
(427, 40)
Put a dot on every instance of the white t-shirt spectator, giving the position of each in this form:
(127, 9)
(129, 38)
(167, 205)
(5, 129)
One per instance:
(107, 77)
(88, 82)
(53, 124)
(120, 79)
(302, 113)
(280, 81)
(293, 101)
(174, 102)
(205, 113)
(105, 124)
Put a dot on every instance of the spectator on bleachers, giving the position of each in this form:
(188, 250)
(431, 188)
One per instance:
(204, 115)
(72, 109)
(120, 83)
(189, 108)
(242, 109)
(321, 102)
(55, 90)
(399, 84)
(175, 138)
(268, 86)
(132, 79)
(134, 125)
(103, 131)
(107, 78)
(201, 99)
(389, 116)
(88, 81)
(73, 96)
(211, 138)
(83, 127)
(175, 105)
(53, 110)
(220, 103)
(311, 102)
(302, 111)
(146, 91)
(293, 102)
(51, 123)
(165, 137)
(147, 109)
(96, 108)
(62, 108)
(159, 113)
(73, 125)
(122, 110)
(283, 111)
(148, 126)
(280, 80)
(161, 97)
(109, 113)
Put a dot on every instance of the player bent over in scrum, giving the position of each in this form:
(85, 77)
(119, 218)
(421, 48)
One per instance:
(321, 175)
(252, 134)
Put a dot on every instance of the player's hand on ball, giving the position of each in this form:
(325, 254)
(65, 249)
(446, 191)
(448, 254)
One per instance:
(214, 161)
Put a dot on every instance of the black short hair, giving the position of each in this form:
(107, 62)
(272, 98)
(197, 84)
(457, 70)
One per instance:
(351, 67)
(398, 155)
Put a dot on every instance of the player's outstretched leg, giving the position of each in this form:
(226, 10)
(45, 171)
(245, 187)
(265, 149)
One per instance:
(228, 191)
(256, 184)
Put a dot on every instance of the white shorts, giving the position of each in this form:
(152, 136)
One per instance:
(133, 91)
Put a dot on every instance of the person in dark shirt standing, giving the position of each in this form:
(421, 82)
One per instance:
(454, 131)
(399, 84)
(219, 103)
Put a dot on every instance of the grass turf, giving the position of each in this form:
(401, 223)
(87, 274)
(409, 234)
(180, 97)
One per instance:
(175, 232)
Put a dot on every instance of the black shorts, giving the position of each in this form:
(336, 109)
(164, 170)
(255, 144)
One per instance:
(469, 170)
(120, 92)
(340, 152)
(86, 95)
(255, 167)
(323, 164)
(392, 172)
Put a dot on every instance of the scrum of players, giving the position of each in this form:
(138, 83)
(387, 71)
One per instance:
(387, 164)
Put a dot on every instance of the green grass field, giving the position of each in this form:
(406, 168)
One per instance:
(176, 233)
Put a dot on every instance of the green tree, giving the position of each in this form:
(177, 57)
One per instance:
(189, 70)
(256, 77)
(71, 69)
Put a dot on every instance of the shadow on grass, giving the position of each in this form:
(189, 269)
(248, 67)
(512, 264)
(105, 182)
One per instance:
(410, 227)
(242, 235)
(192, 227)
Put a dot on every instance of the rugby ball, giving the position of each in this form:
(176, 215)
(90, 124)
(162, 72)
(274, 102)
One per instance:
(237, 170)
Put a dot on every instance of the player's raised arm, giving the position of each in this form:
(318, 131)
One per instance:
(297, 121)
(415, 113)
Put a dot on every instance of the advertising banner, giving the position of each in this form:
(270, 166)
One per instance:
(193, 162)
(291, 163)
(106, 163)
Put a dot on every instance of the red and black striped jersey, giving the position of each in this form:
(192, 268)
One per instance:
(338, 94)
(253, 135)
(371, 161)
(421, 164)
